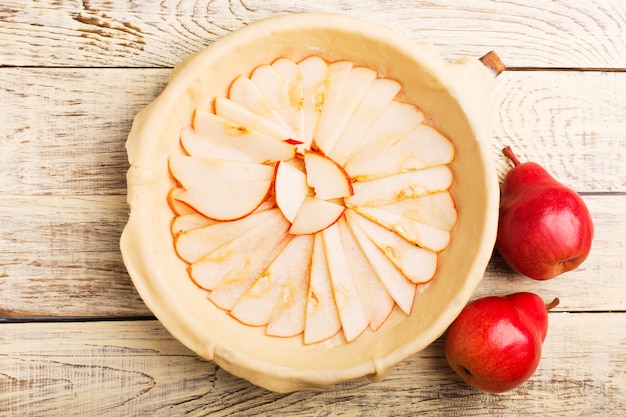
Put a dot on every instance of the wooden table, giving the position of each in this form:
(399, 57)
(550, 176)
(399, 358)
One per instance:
(75, 337)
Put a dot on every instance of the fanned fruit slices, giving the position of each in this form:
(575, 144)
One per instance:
(311, 200)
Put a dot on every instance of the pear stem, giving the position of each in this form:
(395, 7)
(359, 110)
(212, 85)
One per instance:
(508, 152)
(553, 304)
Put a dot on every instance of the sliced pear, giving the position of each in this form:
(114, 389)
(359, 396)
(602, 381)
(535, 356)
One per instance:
(397, 285)
(417, 264)
(191, 221)
(437, 209)
(314, 73)
(290, 189)
(221, 190)
(344, 95)
(396, 121)
(315, 215)
(188, 218)
(397, 187)
(192, 172)
(337, 76)
(219, 138)
(178, 207)
(321, 318)
(354, 319)
(270, 266)
(240, 258)
(326, 177)
(228, 200)
(375, 101)
(247, 94)
(205, 146)
(288, 69)
(416, 232)
(229, 290)
(288, 315)
(291, 266)
(271, 84)
(195, 220)
(278, 93)
(290, 72)
(376, 301)
(423, 147)
(230, 110)
(297, 163)
(193, 244)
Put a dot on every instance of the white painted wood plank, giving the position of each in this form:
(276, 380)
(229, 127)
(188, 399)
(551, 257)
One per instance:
(556, 34)
(62, 204)
(572, 123)
(136, 368)
(64, 129)
(60, 257)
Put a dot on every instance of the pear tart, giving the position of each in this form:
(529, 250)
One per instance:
(310, 199)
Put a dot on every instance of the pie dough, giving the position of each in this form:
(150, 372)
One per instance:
(454, 94)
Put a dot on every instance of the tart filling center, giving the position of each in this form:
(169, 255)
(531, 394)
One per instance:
(312, 200)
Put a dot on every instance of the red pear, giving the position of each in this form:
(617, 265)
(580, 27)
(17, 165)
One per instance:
(495, 343)
(545, 228)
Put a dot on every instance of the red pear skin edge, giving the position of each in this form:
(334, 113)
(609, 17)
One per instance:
(553, 304)
(508, 152)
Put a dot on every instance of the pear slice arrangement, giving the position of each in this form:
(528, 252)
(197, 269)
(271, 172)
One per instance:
(311, 200)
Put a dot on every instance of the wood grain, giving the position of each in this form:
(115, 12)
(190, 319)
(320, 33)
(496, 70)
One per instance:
(543, 115)
(105, 33)
(65, 129)
(136, 368)
(76, 72)
(62, 259)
